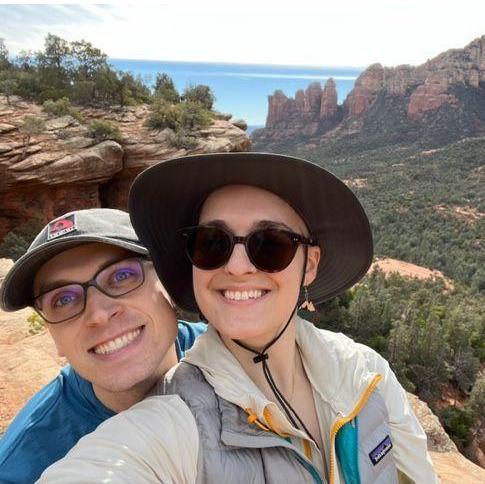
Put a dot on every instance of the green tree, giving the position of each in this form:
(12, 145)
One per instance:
(88, 59)
(8, 87)
(31, 126)
(165, 89)
(477, 397)
(53, 68)
(200, 94)
(4, 57)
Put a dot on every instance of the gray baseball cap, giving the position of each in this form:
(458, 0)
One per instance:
(105, 225)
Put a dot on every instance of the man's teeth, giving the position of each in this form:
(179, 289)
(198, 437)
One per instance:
(117, 343)
(243, 295)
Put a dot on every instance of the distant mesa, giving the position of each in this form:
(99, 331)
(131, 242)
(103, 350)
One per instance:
(440, 100)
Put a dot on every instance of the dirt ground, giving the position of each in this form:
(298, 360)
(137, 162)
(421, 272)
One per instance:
(27, 362)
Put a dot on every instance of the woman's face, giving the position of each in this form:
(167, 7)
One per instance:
(240, 301)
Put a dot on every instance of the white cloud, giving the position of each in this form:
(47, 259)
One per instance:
(348, 32)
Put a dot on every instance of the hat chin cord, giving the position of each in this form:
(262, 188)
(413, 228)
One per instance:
(263, 357)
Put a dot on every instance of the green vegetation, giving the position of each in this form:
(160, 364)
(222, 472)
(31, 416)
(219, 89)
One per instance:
(102, 130)
(201, 95)
(431, 335)
(458, 423)
(426, 206)
(183, 139)
(185, 115)
(79, 73)
(16, 242)
(31, 126)
(61, 107)
(165, 89)
(36, 323)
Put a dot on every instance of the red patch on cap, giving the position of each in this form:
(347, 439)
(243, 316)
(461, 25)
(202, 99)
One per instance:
(62, 226)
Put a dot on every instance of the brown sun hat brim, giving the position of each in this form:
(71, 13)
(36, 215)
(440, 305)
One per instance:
(166, 197)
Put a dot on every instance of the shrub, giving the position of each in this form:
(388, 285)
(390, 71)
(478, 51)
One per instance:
(182, 139)
(164, 115)
(101, 130)
(458, 423)
(194, 116)
(477, 398)
(36, 323)
(32, 126)
(8, 87)
(61, 107)
(187, 116)
(16, 243)
(200, 94)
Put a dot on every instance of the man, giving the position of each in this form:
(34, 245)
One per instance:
(88, 276)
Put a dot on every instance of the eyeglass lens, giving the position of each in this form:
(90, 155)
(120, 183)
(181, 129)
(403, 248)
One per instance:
(270, 250)
(68, 301)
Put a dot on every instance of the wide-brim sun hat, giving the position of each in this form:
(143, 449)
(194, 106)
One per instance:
(102, 225)
(167, 197)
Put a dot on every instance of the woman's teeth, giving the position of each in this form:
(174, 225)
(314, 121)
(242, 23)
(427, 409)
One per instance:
(243, 295)
(117, 343)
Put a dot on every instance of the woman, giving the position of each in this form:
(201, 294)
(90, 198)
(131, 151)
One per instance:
(243, 239)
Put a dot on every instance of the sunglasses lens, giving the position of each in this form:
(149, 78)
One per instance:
(208, 247)
(271, 250)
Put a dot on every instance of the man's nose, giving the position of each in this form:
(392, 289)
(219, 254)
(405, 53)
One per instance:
(100, 308)
(239, 262)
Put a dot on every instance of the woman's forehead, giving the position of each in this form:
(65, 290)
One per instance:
(244, 204)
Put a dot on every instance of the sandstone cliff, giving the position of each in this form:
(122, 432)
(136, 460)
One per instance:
(439, 101)
(65, 169)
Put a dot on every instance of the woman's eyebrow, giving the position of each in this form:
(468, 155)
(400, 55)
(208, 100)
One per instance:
(271, 224)
(260, 224)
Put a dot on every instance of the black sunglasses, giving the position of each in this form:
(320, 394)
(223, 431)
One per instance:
(269, 249)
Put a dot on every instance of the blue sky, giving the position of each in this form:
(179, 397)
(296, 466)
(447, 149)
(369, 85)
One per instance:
(321, 32)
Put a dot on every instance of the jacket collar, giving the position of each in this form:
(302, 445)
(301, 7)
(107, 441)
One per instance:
(336, 369)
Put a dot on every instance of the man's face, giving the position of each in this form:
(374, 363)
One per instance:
(257, 316)
(115, 343)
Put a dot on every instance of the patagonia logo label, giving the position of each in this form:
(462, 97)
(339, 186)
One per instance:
(62, 226)
(381, 450)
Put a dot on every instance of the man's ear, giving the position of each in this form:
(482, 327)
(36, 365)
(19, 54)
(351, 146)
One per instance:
(314, 255)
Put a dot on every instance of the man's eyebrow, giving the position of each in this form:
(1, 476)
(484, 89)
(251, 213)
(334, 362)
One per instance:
(53, 285)
(45, 287)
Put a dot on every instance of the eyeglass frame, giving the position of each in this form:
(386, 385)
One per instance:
(91, 283)
(238, 239)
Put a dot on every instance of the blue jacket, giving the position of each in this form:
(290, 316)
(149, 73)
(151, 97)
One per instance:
(57, 416)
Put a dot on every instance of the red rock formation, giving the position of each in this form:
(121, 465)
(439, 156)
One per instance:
(328, 105)
(277, 108)
(420, 90)
(429, 97)
(300, 101)
(313, 96)
(367, 86)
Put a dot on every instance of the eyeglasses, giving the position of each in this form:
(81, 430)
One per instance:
(69, 300)
(269, 249)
